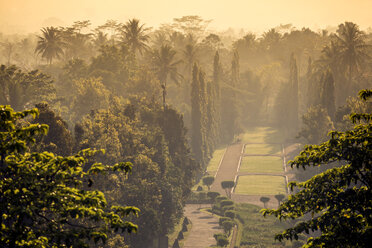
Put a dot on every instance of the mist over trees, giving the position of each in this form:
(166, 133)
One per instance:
(164, 99)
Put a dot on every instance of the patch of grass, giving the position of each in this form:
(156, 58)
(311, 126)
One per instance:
(260, 185)
(257, 230)
(262, 135)
(261, 164)
(263, 149)
(215, 161)
(212, 167)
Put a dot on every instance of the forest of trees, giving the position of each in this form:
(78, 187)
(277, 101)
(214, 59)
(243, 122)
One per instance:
(164, 99)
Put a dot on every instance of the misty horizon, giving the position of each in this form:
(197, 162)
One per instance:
(242, 16)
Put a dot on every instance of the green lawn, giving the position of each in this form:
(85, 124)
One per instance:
(215, 161)
(259, 231)
(263, 149)
(261, 164)
(260, 185)
(262, 135)
(212, 166)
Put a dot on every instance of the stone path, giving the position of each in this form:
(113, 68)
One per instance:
(204, 226)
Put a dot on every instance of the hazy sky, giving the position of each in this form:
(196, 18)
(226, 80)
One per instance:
(252, 15)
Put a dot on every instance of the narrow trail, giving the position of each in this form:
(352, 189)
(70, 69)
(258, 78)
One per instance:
(204, 226)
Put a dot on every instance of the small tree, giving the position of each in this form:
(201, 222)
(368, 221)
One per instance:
(279, 197)
(227, 186)
(264, 200)
(208, 181)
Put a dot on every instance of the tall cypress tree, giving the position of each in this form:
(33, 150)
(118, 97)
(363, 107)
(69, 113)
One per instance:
(196, 116)
(204, 115)
(328, 93)
(211, 130)
(293, 77)
(217, 71)
(230, 115)
(310, 84)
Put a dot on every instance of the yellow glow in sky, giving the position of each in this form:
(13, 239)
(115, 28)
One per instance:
(253, 15)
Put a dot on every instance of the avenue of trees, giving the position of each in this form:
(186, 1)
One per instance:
(162, 100)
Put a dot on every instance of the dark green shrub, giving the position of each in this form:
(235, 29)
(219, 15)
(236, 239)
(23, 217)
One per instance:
(180, 235)
(223, 219)
(230, 213)
(227, 226)
(176, 244)
(186, 221)
(221, 198)
(184, 227)
(222, 241)
(213, 195)
(226, 203)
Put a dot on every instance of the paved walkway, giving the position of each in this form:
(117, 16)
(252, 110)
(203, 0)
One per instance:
(204, 226)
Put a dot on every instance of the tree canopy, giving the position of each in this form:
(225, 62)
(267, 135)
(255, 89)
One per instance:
(338, 201)
(45, 199)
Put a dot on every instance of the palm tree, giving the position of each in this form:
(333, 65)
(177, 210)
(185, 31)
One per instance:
(270, 39)
(135, 35)
(353, 47)
(166, 66)
(100, 39)
(112, 27)
(330, 57)
(50, 44)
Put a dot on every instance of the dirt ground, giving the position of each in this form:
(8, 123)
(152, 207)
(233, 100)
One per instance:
(204, 226)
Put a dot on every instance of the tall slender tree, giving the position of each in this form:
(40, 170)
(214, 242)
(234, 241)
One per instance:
(189, 58)
(293, 77)
(328, 93)
(230, 123)
(217, 72)
(196, 116)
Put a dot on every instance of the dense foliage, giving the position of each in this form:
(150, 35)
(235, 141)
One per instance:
(45, 199)
(338, 201)
(135, 91)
